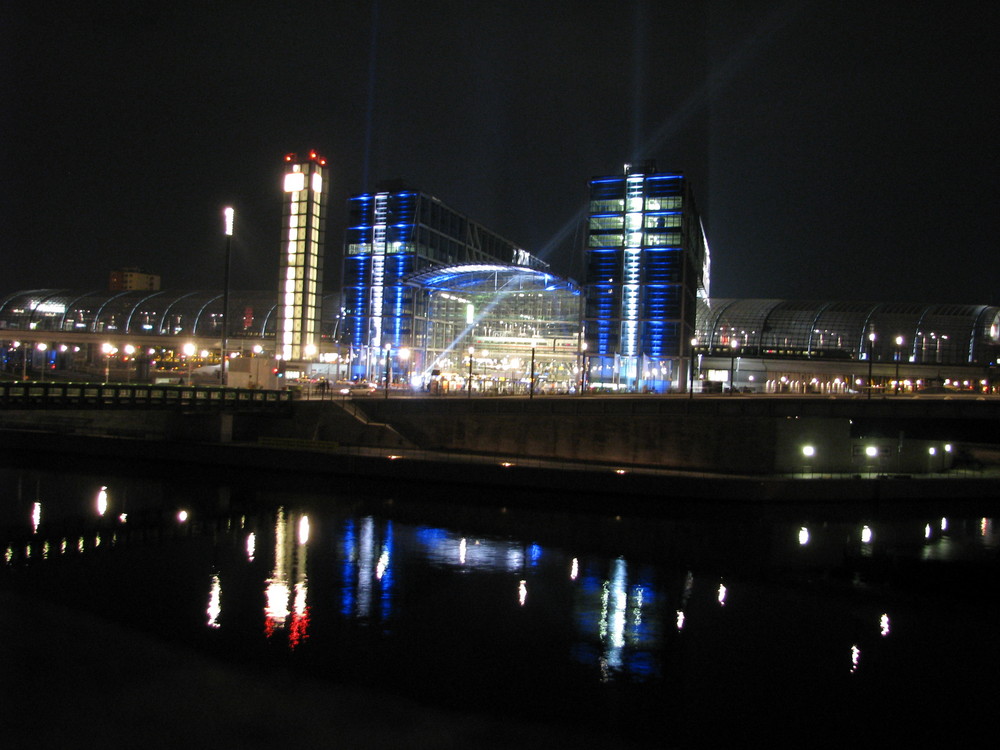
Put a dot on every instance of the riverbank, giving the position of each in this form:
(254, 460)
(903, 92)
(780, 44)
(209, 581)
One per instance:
(589, 486)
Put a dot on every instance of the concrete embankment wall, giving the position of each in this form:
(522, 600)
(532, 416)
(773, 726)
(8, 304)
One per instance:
(733, 436)
(735, 444)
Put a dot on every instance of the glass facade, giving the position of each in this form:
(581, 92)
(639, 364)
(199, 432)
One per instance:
(166, 313)
(393, 234)
(911, 333)
(300, 276)
(647, 261)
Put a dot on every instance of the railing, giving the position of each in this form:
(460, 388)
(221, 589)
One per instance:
(56, 395)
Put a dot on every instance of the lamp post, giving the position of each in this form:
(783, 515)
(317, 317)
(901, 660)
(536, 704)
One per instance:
(129, 350)
(871, 351)
(388, 367)
(468, 385)
(404, 358)
(694, 343)
(734, 347)
(531, 380)
(24, 358)
(899, 344)
(188, 353)
(230, 217)
(108, 351)
(42, 347)
(583, 365)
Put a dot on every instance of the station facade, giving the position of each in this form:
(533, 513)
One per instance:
(647, 262)
(434, 300)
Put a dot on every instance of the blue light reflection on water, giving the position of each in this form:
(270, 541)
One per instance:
(421, 607)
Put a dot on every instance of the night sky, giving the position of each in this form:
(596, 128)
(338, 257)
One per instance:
(842, 150)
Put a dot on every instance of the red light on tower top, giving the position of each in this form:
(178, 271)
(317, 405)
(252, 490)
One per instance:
(313, 156)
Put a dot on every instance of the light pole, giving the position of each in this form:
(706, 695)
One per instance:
(24, 358)
(230, 216)
(899, 344)
(129, 350)
(531, 381)
(404, 358)
(583, 366)
(42, 347)
(388, 367)
(871, 351)
(108, 351)
(188, 353)
(468, 386)
(694, 343)
(734, 347)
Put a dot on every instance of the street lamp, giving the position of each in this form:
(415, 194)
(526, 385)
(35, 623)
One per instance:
(468, 386)
(404, 358)
(871, 351)
(694, 343)
(23, 346)
(108, 352)
(129, 350)
(388, 367)
(230, 216)
(42, 347)
(531, 381)
(899, 344)
(734, 346)
(188, 353)
(583, 366)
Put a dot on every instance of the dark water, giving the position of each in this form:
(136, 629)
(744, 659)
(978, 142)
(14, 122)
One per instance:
(712, 626)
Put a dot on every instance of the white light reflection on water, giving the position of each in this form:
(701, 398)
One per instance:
(446, 549)
(287, 576)
(630, 619)
(214, 598)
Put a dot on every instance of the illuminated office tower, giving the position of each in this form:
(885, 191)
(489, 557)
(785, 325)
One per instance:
(647, 261)
(393, 234)
(301, 266)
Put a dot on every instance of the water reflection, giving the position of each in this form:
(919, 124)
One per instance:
(286, 591)
(702, 607)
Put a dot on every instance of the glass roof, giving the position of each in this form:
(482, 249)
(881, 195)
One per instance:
(953, 334)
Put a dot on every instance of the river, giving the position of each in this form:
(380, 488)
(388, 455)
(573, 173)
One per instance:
(452, 617)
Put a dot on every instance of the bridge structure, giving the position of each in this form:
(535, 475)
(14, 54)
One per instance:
(133, 396)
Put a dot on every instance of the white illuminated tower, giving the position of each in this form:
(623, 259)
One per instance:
(301, 266)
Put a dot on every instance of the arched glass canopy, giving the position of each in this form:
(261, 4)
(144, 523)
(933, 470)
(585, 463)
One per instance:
(916, 333)
(169, 313)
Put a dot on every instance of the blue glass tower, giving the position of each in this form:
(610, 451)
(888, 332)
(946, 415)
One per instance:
(647, 261)
(392, 234)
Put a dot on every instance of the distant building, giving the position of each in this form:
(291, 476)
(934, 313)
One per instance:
(394, 234)
(300, 274)
(133, 279)
(647, 261)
